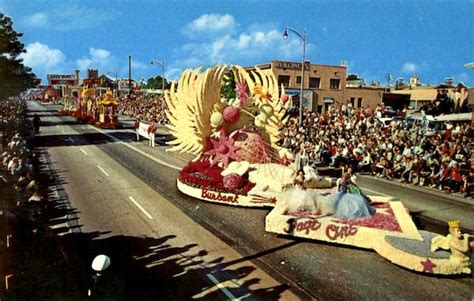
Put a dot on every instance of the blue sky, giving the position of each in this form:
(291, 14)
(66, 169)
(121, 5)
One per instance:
(431, 39)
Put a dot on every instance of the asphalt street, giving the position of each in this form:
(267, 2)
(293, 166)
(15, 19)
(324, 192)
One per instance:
(123, 188)
(116, 206)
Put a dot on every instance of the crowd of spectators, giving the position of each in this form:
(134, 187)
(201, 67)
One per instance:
(19, 170)
(144, 108)
(357, 138)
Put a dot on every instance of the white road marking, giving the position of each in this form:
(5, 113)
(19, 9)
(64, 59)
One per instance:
(140, 207)
(221, 287)
(83, 151)
(137, 150)
(102, 170)
(376, 192)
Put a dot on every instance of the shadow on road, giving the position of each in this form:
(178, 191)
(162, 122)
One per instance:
(91, 139)
(52, 260)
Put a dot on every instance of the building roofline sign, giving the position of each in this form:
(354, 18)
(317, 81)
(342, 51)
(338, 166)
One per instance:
(290, 65)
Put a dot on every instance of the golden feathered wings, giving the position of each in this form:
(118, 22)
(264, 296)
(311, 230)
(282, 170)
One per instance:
(264, 88)
(190, 108)
(198, 96)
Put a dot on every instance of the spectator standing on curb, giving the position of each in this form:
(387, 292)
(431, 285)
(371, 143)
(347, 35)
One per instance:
(151, 133)
(36, 123)
(136, 126)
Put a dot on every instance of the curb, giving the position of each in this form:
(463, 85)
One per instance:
(422, 190)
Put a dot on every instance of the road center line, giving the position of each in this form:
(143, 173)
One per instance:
(82, 150)
(140, 207)
(137, 149)
(376, 192)
(102, 170)
(221, 287)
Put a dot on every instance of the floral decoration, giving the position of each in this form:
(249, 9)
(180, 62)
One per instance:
(383, 221)
(241, 89)
(202, 175)
(223, 150)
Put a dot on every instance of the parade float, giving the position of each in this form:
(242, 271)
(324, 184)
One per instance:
(49, 95)
(106, 109)
(89, 107)
(81, 112)
(238, 162)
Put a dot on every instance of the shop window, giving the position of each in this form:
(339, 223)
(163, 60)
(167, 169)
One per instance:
(284, 80)
(334, 83)
(314, 82)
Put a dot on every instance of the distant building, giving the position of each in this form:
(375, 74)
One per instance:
(60, 82)
(323, 84)
(414, 82)
(423, 94)
(124, 84)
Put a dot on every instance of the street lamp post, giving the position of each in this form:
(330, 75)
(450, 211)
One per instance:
(303, 42)
(162, 63)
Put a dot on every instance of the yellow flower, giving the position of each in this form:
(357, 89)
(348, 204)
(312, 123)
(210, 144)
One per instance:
(259, 93)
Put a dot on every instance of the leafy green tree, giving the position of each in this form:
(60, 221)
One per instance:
(156, 83)
(352, 77)
(14, 76)
(228, 86)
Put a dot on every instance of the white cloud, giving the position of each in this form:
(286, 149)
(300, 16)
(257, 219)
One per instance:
(410, 67)
(38, 19)
(258, 43)
(69, 17)
(39, 55)
(210, 24)
(247, 47)
(43, 59)
(98, 58)
(99, 53)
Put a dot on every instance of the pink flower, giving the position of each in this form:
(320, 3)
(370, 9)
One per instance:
(241, 90)
(223, 150)
(231, 114)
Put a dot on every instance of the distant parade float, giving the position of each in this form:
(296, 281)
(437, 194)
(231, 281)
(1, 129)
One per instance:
(239, 163)
(88, 107)
(49, 95)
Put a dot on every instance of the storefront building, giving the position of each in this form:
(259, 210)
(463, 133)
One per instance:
(323, 85)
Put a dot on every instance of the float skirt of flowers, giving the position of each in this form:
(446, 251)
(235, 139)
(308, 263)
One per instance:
(391, 218)
(222, 197)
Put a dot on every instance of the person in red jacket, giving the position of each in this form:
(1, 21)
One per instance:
(151, 133)
(455, 178)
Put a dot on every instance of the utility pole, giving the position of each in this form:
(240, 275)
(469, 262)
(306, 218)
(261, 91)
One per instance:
(129, 76)
(389, 78)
